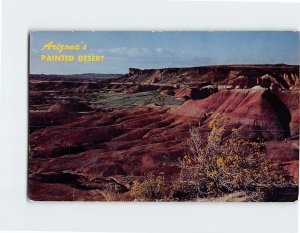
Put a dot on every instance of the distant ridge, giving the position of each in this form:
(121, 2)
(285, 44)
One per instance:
(286, 76)
(58, 77)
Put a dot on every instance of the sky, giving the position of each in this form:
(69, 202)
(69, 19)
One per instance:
(145, 50)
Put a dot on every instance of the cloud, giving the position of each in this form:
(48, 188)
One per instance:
(136, 52)
(150, 57)
(123, 51)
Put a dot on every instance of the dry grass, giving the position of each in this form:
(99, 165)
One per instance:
(150, 189)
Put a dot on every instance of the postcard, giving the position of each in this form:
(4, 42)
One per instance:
(189, 116)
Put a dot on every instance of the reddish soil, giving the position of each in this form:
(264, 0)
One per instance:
(76, 150)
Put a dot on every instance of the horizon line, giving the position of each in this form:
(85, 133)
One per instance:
(184, 67)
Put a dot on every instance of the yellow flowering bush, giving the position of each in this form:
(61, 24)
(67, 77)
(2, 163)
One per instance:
(150, 189)
(219, 165)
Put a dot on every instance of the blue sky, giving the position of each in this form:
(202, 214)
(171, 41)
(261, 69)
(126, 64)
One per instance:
(164, 49)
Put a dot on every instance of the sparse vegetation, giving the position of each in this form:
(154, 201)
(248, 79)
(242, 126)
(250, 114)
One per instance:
(150, 189)
(221, 165)
(108, 195)
(216, 167)
(114, 100)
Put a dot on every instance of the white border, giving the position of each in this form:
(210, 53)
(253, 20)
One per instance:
(21, 16)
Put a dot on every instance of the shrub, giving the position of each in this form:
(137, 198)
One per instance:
(150, 189)
(103, 195)
(184, 191)
(218, 166)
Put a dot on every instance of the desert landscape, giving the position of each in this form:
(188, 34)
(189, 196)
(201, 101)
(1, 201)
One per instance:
(208, 133)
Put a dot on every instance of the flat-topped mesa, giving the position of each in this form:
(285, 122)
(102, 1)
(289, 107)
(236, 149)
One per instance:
(239, 76)
(134, 71)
